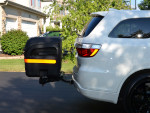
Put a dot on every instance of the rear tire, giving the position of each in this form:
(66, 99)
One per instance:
(136, 95)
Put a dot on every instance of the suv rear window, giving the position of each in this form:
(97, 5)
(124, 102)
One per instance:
(91, 25)
(132, 28)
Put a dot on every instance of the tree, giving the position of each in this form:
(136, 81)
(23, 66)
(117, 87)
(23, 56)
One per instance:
(79, 15)
(144, 5)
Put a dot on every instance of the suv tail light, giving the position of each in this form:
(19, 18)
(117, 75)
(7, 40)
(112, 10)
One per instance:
(87, 50)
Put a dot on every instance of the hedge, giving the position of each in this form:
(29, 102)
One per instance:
(13, 42)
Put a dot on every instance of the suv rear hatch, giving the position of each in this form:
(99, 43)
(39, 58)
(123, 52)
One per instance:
(89, 49)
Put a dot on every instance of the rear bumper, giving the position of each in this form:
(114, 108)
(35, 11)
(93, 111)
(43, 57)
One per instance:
(94, 94)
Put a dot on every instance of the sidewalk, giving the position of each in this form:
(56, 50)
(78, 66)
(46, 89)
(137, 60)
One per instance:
(3, 56)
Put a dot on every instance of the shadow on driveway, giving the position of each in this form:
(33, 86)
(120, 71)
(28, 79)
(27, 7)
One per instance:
(20, 94)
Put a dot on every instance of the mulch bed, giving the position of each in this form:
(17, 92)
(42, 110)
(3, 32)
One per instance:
(5, 55)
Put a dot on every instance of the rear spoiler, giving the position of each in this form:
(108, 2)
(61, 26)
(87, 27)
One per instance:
(101, 13)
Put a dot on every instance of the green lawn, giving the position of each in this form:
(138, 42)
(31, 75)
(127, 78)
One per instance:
(67, 66)
(17, 65)
(12, 65)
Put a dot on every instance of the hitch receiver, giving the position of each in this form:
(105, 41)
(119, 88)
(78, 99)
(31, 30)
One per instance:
(44, 79)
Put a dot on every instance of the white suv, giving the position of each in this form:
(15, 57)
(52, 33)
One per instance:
(113, 60)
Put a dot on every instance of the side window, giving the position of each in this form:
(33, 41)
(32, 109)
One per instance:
(132, 28)
(91, 25)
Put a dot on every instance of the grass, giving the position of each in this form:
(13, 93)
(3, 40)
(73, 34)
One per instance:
(67, 66)
(17, 65)
(12, 65)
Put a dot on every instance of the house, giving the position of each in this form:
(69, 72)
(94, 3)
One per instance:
(45, 6)
(25, 15)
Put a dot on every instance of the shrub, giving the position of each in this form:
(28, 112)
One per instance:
(50, 28)
(13, 42)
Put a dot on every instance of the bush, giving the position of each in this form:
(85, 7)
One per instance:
(13, 42)
(50, 28)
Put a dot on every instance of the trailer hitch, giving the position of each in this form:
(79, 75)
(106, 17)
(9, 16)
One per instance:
(65, 78)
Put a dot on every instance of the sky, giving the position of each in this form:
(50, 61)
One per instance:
(133, 3)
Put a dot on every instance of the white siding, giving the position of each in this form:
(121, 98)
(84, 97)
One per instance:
(11, 11)
(27, 3)
(1, 20)
(45, 8)
(29, 15)
(23, 2)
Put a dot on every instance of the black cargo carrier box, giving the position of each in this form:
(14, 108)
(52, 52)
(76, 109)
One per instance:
(43, 57)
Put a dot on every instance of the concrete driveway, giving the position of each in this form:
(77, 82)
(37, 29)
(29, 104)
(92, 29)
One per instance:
(20, 94)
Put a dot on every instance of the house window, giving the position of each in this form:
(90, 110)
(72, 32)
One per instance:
(39, 3)
(32, 2)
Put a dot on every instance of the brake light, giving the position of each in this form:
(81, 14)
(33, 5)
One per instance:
(87, 50)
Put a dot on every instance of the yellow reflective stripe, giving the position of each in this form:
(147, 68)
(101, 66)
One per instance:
(43, 61)
(95, 51)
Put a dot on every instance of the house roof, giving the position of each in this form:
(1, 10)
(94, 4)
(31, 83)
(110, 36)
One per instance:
(7, 2)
